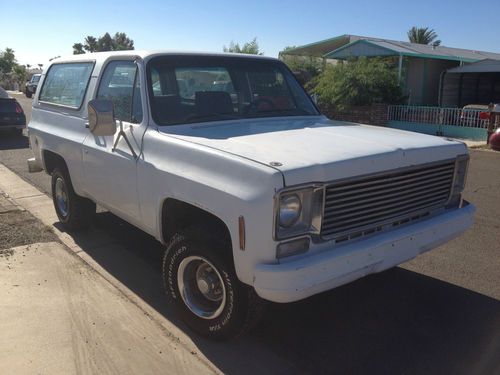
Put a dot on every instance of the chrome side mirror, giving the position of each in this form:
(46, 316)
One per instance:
(101, 117)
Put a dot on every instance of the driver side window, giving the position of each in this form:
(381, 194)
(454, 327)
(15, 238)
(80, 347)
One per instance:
(120, 83)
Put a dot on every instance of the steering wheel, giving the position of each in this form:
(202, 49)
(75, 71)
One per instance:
(254, 105)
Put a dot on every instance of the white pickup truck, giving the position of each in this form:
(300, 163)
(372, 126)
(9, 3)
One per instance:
(226, 160)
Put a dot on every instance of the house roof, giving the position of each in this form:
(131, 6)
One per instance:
(483, 66)
(346, 46)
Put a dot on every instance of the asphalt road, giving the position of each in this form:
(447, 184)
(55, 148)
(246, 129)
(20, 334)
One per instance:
(438, 314)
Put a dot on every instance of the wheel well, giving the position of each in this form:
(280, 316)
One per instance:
(178, 215)
(51, 160)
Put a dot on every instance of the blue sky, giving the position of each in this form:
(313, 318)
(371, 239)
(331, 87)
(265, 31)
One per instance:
(38, 30)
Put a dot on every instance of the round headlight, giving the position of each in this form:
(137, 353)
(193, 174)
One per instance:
(290, 208)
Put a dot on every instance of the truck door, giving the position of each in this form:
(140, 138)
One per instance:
(110, 162)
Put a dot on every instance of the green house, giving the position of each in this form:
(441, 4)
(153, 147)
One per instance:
(420, 66)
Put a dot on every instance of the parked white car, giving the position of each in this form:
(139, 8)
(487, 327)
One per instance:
(255, 195)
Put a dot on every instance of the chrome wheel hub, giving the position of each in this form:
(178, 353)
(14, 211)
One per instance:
(61, 197)
(201, 287)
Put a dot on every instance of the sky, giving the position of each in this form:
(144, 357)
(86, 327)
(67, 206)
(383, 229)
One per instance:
(39, 30)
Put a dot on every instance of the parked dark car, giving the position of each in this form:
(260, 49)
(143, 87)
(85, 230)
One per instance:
(11, 113)
(32, 85)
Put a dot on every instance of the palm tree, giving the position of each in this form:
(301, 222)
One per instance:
(90, 44)
(78, 49)
(423, 35)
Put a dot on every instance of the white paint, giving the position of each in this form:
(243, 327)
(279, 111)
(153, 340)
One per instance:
(224, 168)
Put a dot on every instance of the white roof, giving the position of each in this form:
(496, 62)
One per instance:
(147, 54)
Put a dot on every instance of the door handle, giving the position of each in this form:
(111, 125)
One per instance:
(87, 125)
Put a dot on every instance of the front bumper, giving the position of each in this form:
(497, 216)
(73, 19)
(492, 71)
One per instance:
(316, 273)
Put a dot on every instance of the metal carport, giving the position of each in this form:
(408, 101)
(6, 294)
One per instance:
(476, 83)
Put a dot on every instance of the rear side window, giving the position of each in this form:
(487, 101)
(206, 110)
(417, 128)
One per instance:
(66, 84)
(120, 83)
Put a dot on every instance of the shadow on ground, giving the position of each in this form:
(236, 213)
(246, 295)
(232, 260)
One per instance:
(391, 323)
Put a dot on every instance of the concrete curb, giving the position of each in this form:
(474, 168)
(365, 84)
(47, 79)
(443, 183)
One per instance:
(23, 194)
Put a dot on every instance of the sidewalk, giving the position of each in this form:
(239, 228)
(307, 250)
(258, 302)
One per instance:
(61, 315)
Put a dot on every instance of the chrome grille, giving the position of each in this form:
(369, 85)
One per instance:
(369, 204)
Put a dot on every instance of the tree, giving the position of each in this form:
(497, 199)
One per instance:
(358, 82)
(105, 43)
(7, 60)
(11, 73)
(122, 43)
(20, 73)
(423, 35)
(250, 48)
(78, 49)
(304, 67)
(119, 42)
(90, 44)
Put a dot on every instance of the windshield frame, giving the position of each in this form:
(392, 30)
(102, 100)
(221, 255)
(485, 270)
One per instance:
(200, 61)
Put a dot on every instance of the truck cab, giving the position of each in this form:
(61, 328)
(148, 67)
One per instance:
(225, 160)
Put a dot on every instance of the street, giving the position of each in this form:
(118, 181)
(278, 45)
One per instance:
(438, 314)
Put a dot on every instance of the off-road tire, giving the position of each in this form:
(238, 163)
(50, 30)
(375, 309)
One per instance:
(243, 308)
(80, 210)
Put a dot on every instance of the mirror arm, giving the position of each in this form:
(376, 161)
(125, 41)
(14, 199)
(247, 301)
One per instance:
(122, 134)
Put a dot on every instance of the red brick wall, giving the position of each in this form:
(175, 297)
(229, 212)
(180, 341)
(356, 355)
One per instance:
(374, 114)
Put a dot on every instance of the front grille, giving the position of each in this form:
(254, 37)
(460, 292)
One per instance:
(370, 204)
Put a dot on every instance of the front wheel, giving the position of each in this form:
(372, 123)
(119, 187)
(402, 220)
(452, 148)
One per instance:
(202, 285)
(73, 211)
(28, 94)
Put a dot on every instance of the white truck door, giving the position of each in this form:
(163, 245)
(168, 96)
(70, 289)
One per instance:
(110, 162)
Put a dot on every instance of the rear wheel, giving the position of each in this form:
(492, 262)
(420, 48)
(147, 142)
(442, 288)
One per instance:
(28, 94)
(73, 211)
(202, 285)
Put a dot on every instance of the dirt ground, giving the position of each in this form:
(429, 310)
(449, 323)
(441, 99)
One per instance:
(19, 227)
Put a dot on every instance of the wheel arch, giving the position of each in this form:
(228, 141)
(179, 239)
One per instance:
(177, 215)
(51, 160)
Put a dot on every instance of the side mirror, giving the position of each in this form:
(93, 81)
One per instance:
(101, 117)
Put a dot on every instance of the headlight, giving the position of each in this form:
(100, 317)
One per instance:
(298, 212)
(290, 209)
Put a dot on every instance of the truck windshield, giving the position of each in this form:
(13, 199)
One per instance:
(186, 89)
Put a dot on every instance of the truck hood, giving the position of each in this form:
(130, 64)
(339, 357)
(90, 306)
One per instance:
(315, 149)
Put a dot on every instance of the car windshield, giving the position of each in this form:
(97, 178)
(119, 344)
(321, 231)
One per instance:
(186, 89)
(35, 78)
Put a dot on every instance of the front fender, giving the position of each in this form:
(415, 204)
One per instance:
(224, 185)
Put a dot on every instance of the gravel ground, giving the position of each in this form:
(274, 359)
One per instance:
(18, 227)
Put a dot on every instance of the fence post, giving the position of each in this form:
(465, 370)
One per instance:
(440, 122)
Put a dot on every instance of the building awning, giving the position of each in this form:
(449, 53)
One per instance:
(369, 48)
(319, 49)
(347, 46)
(483, 66)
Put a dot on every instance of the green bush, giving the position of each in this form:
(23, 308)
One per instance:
(358, 82)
